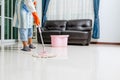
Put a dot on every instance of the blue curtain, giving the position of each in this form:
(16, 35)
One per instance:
(45, 4)
(96, 27)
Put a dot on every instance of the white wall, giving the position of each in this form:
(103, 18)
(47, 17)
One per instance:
(109, 21)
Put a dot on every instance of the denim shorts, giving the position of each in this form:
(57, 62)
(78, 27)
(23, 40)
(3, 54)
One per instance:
(25, 33)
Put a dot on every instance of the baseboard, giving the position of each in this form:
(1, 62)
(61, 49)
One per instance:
(108, 43)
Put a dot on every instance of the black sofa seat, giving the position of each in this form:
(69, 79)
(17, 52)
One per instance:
(79, 31)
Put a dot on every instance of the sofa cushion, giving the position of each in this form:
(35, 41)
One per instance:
(76, 34)
(80, 25)
(55, 25)
(46, 34)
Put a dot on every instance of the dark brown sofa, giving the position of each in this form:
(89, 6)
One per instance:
(79, 31)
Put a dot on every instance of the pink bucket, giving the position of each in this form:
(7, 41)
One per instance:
(59, 40)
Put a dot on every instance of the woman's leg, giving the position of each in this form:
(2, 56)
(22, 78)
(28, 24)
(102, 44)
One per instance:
(30, 35)
(24, 38)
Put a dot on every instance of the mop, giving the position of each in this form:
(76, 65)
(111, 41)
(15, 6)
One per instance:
(44, 53)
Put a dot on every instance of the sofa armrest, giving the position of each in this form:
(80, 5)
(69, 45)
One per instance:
(43, 29)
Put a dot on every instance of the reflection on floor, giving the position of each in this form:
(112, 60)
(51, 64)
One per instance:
(93, 62)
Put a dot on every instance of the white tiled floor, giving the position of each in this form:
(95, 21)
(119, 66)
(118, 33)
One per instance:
(93, 62)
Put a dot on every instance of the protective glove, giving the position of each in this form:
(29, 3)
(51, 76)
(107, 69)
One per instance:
(36, 18)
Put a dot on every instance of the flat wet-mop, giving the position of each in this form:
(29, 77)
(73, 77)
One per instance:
(44, 53)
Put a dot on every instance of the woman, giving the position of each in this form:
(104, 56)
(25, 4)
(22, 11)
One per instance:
(25, 12)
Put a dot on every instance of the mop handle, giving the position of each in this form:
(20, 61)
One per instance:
(43, 45)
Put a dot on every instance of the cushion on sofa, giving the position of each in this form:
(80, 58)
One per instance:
(55, 25)
(82, 25)
(51, 32)
(76, 34)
